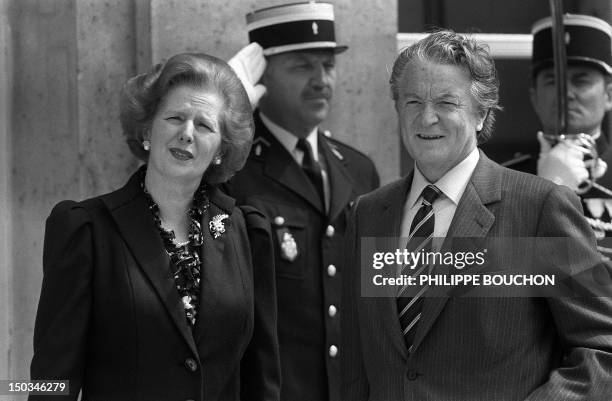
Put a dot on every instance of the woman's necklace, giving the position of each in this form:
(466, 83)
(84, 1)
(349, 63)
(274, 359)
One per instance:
(184, 257)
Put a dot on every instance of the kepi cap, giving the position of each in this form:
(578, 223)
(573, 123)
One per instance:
(291, 27)
(588, 40)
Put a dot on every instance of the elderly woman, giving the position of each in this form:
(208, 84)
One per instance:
(150, 292)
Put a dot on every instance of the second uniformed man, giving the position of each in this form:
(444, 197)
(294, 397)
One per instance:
(304, 181)
(589, 97)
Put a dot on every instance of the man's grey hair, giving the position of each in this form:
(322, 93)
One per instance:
(448, 47)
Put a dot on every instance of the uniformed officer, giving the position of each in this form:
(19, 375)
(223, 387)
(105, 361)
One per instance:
(589, 98)
(304, 181)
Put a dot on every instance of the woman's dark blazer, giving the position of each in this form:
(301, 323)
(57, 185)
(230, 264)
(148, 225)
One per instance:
(110, 319)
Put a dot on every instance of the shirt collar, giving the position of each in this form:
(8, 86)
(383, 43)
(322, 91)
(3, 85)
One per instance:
(452, 184)
(288, 140)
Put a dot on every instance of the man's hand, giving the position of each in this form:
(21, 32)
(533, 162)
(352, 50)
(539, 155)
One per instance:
(249, 64)
(563, 164)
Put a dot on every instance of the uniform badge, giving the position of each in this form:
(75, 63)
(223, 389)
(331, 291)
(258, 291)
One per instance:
(288, 246)
(217, 226)
(258, 144)
(336, 152)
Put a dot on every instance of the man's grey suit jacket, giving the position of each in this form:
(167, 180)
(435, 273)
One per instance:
(479, 348)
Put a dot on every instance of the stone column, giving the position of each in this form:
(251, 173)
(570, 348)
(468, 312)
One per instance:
(70, 59)
(6, 253)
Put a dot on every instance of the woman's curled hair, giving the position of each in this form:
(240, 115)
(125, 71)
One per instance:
(142, 95)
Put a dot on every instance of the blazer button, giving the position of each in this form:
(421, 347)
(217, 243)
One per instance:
(332, 310)
(330, 231)
(412, 375)
(333, 351)
(191, 364)
(331, 270)
(279, 220)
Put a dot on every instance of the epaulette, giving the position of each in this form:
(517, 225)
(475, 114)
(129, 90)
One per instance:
(332, 145)
(339, 148)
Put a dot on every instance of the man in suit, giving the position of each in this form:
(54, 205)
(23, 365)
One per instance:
(304, 181)
(419, 343)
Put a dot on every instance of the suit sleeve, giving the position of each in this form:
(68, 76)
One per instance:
(260, 370)
(62, 318)
(354, 385)
(583, 322)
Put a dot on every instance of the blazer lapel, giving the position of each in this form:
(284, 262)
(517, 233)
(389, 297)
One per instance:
(280, 166)
(215, 269)
(472, 219)
(130, 210)
(212, 269)
(390, 215)
(340, 182)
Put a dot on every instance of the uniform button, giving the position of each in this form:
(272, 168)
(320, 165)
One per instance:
(331, 270)
(191, 364)
(279, 220)
(333, 351)
(332, 310)
(330, 231)
(412, 375)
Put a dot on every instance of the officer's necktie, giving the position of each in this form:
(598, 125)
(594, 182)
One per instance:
(311, 167)
(419, 238)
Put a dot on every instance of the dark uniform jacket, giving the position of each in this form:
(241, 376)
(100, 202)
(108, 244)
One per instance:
(309, 253)
(597, 203)
(110, 319)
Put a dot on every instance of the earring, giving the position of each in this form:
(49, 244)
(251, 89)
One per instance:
(217, 160)
(479, 127)
(146, 145)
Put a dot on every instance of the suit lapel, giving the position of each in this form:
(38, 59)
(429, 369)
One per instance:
(130, 212)
(472, 219)
(340, 182)
(214, 272)
(390, 215)
(281, 167)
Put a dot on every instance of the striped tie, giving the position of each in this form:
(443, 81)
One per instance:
(421, 233)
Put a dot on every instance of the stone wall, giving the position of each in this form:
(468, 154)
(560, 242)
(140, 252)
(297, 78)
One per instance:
(62, 63)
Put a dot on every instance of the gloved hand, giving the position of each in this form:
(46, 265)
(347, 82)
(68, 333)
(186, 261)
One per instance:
(600, 167)
(562, 163)
(249, 64)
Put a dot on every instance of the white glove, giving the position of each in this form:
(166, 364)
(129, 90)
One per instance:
(249, 64)
(600, 167)
(563, 163)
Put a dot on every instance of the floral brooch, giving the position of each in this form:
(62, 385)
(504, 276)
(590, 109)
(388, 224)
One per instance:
(217, 226)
